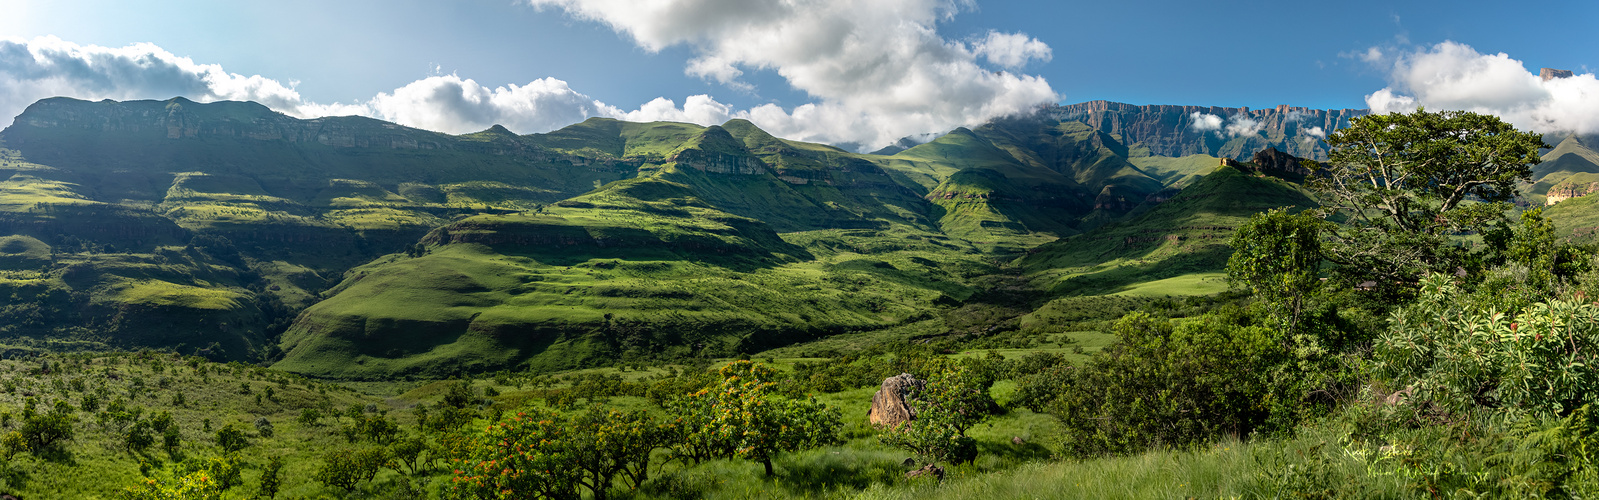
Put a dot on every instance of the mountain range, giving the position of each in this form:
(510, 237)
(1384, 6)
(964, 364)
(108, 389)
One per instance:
(355, 248)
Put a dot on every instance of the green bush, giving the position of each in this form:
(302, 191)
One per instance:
(43, 430)
(1457, 353)
(954, 398)
(1165, 385)
(522, 456)
(743, 416)
(138, 437)
(340, 470)
(271, 478)
(195, 485)
(232, 438)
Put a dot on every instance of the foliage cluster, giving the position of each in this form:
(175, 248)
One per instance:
(548, 454)
(954, 398)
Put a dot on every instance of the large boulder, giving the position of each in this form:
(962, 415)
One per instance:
(889, 405)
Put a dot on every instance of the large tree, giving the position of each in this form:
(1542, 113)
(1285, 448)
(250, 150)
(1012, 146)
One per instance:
(1403, 184)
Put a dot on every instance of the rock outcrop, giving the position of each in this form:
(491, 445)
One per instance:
(720, 163)
(889, 405)
(1568, 190)
(1550, 73)
(1272, 162)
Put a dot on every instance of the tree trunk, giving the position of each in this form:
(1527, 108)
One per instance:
(768, 463)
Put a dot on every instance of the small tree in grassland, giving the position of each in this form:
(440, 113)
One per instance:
(232, 438)
(742, 416)
(271, 478)
(522, 456)
(954, 399)
(608, 443)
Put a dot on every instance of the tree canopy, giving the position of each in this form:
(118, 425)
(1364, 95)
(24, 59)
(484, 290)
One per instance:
(1402, 184)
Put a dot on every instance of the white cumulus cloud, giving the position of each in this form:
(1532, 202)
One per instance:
(1236, 126)
(1012, 50)
(878, 69)
(452, 104)
(1242, 125)
(1204, 122)
(48, 67)
(1452, 75)
(701, 109)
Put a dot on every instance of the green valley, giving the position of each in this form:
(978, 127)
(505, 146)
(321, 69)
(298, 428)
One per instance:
(295, 240)
(348, 308)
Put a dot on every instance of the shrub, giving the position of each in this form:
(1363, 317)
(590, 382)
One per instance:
(226, 470)
(1172, 386)
(197, 485)
(523, 456)
(43, 430)
(232, 438)
(138, 437)
(407, 453)
(347, 468)
(953, 400)
(377, 428)
(1461, 354)
(263, 427)
(742, 417)
(271, 478)
(171, 441)
(458, 395)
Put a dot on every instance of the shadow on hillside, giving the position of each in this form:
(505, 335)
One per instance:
(818, 477)
(1012, 452)
(738, 262)
(12, 478)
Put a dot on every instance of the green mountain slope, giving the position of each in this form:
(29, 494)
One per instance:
(1182, 236)
(987, 195)
(351, 247)
(642, 268)
(1571, 156)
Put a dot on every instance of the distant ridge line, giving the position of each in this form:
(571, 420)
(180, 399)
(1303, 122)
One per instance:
(1175, 130)
(1104, 105)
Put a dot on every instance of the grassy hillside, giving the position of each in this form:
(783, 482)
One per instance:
(985, 195)
(1185, 235)
(394, 250)
(290, 205)
(642, 269)
(1571, 156)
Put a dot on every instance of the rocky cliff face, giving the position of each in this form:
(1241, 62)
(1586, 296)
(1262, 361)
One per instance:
(1272, 162)
(1568, 190)
(721, 163)
(1175, 131)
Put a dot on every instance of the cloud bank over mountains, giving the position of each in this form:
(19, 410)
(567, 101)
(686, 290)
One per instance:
(876, 69)
(1453, 75)
(49, 66)
(45, 67)
(1238, 125)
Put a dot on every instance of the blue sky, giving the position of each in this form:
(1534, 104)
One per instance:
(775, 61)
